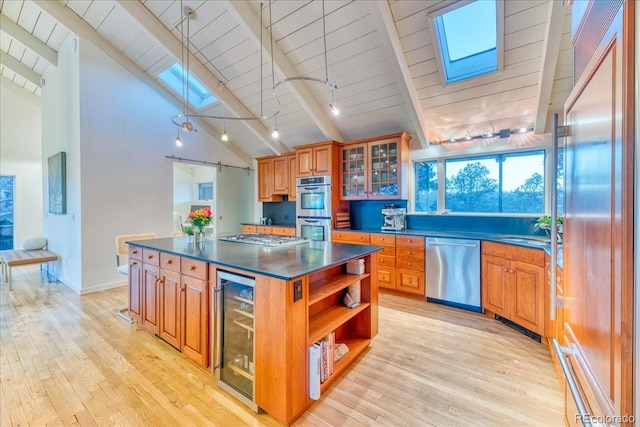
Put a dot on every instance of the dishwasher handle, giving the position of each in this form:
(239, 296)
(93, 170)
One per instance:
(466, 245)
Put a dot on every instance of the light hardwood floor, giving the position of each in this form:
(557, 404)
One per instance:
(69, 360)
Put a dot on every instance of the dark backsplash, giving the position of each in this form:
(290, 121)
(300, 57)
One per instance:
(282, 213)
(366, 214)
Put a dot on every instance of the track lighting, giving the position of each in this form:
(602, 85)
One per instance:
(178, 141)
(334, 110)
(225, 136)
(523, 130)
(275, 134)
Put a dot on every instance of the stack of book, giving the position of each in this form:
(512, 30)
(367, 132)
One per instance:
(343, 220)
(321, 363)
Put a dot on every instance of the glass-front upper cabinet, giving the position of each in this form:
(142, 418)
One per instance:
(353, 172)
(375, 168)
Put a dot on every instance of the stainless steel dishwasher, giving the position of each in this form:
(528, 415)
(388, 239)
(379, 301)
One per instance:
(452, 272)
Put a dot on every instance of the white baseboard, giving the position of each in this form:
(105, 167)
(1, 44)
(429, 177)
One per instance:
(102, 287)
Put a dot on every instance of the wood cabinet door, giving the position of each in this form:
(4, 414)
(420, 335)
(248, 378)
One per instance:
(135, 289)
(150, 274)
(280, 167)
(495, 284)
(246, 228)
(322, 160)
(195, 308)
(265, 180)
(353, 172)
(304, 160)
(386, 277)
(293, 169)
(170, 316)
(527, 296)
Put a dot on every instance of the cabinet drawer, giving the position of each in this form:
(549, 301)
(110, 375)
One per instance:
(387, 261)
(404, 252)
(383, 239)
(194, 268)
(264, 229)
(169, 262)
(248, 228)
(387, 250)
(410, 281)
(135, 252)
(514, 252)
(410, 241)
(150, 256)
(350, 237)
(387, 278)
(284, 231)
(410, 264)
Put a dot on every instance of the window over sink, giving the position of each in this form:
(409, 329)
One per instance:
(510, 183)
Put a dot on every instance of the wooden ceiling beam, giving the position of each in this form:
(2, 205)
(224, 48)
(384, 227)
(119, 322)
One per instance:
(77, 25)
(245, 16)
(156, 29)
(30, 41)
(550, 52)
(18, 67)
(386, 27)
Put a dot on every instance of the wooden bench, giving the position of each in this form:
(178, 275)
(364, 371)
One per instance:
(17, 257)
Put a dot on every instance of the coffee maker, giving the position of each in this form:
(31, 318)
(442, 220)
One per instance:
(395, 218)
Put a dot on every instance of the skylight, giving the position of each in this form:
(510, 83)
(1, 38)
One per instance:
(468, 40)
(199, 96)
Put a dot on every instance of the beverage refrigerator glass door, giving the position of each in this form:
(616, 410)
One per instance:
(313, 196)
(318, 229)
(234, 336)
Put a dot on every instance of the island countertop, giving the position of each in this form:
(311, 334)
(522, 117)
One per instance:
(284, 263)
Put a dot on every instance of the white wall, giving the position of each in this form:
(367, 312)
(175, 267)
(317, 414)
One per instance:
(235, 199)
(21, 156)
(61, 132)
(120, 181)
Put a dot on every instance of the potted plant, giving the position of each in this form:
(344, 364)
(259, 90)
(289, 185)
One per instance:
(544, 223)
(188, 230)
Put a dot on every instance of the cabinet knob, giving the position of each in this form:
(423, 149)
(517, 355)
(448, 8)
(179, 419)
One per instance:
(149, 256)
(193, 267)
(506, 270)
(134, 252)
(170, 261)
(512, 271)
(134, 263)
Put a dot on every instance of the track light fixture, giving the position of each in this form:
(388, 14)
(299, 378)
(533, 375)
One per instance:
(504, 133)
(178, 141)
(184, 119)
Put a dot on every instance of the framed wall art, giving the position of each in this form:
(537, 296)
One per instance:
(57, 174)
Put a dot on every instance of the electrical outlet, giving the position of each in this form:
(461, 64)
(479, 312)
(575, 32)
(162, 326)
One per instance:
(297, 290)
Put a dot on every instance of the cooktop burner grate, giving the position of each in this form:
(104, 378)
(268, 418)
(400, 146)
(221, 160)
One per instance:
(272, 240)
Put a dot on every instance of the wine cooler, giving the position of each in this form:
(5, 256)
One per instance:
(234, 340)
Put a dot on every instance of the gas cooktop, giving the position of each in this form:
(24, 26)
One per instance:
(271, 240)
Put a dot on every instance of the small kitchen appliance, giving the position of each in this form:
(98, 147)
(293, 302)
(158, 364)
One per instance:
(395, 218)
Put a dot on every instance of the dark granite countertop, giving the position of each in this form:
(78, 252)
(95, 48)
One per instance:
(269, 225)
(283, 263)
(539, 242)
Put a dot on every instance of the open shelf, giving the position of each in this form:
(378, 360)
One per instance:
(328, 320)
(320, 289)
(249, 376)
(356, 347)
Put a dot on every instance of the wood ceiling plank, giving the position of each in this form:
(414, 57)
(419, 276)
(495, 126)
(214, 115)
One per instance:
(29, 15)
(80, 27)
(525, 18)
(27, 39)
(12, 9)
(492, 103)
(98, 12)
(524, 37)
(245, 15)
(163, 36)
(79, 6)
(404, 9)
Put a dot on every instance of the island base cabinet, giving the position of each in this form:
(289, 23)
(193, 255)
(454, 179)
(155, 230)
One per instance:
(195, 298)
(135, 289)
(151, 274)
(170, 315)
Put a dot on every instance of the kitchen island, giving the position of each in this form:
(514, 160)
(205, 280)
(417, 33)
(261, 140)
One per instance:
(296, 301)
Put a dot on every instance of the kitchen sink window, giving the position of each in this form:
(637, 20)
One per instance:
(510, 183)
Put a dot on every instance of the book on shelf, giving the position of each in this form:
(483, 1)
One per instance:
(327, 356)
(315, 368)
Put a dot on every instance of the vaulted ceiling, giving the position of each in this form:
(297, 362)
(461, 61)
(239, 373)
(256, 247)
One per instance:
(379, 53)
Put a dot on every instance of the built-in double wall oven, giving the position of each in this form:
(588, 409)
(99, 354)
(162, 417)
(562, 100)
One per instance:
(313, 207)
